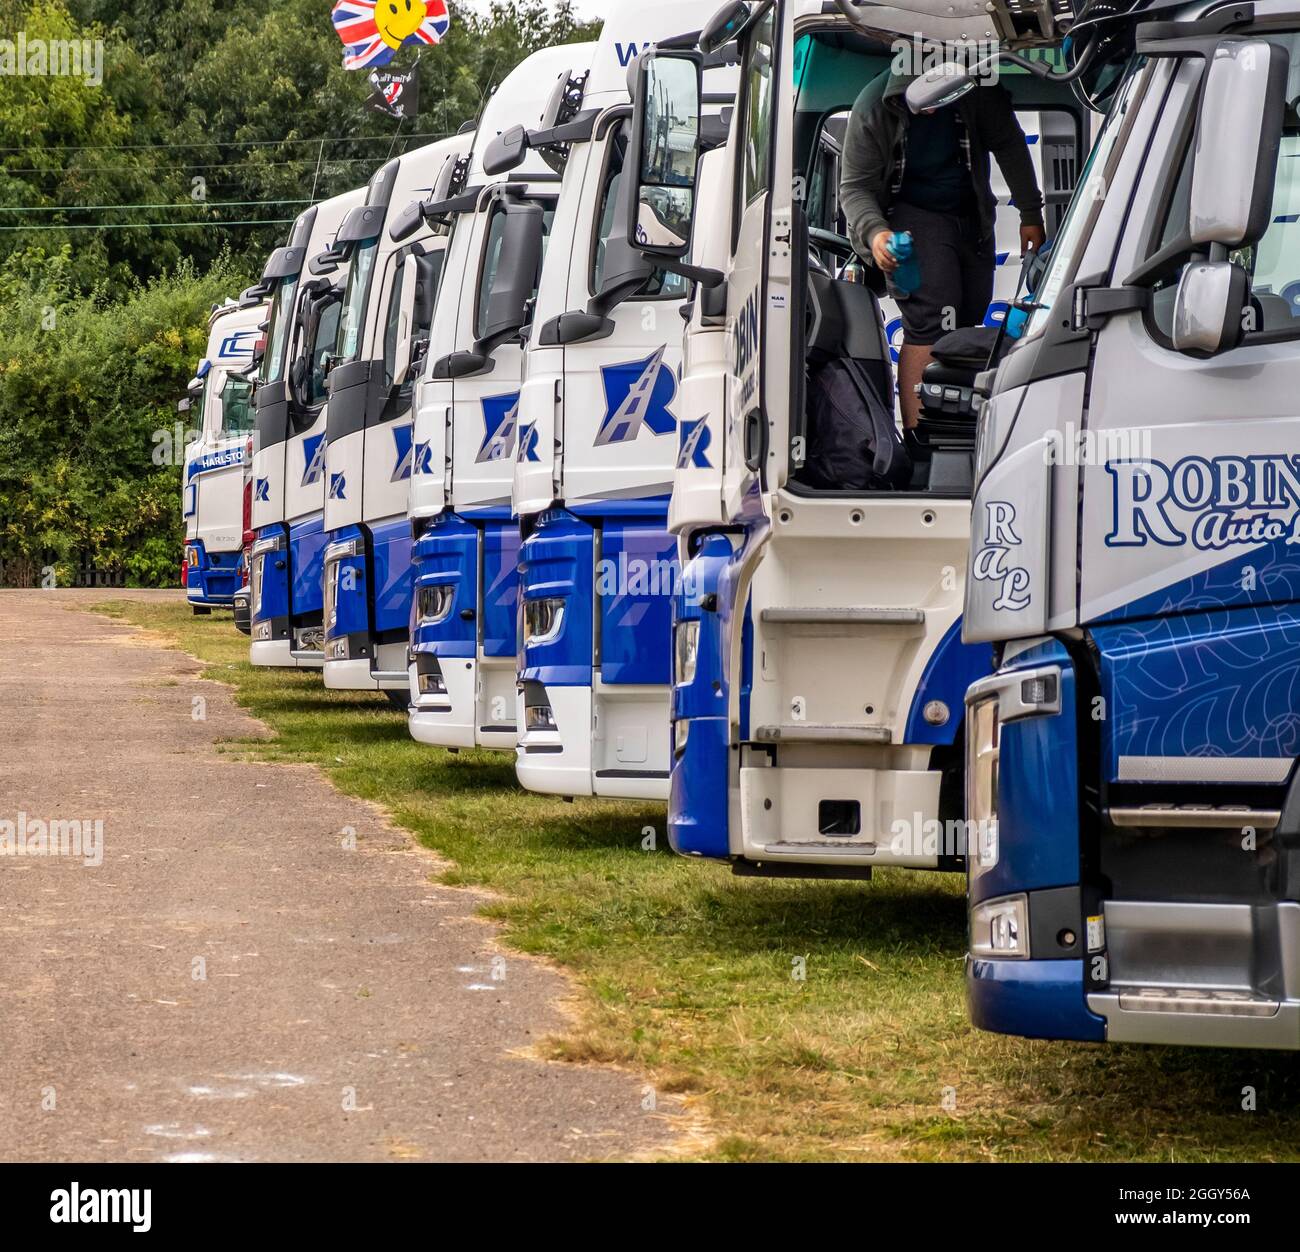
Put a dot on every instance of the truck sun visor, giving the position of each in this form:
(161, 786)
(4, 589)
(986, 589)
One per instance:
(283, 263)
(364, 222)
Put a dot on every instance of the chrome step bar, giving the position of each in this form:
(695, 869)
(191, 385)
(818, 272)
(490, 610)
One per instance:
(1193, 816)
(1214, 975)
(1217, 1000)
(833, 732)
(849, 615)
(841, 847)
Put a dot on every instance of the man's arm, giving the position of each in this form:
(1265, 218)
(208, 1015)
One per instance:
(862, 181)
(1006, 141)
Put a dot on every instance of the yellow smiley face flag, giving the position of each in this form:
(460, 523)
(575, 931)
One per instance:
(373, 30)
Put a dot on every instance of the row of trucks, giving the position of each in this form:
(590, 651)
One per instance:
(533, 454)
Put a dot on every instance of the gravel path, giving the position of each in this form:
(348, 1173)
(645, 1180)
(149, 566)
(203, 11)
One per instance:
(232, 982)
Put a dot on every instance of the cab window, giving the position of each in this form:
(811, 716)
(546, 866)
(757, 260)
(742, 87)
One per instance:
(492, 258)
(353, 315)
(759, 89)
(392, 325)
(321, 350)
(236, 407)
(660, 285)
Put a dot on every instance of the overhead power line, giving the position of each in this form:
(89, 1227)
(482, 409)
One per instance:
(95, 208)
(164, 169)
(277, 221)
(223, 143)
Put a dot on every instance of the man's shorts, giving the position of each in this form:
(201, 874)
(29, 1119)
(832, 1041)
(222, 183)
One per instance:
(956, 274)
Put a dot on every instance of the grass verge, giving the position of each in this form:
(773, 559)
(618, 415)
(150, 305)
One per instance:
(692, 976)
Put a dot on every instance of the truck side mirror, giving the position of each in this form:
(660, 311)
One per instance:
(1238, 135)
(1210, 308)
(507, 151)
(664, 152)
(939, 86)
(298, 375)
(407, 222)
(184, 404)
(515, 279)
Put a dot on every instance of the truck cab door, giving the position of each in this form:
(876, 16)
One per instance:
(389, 441)
(620, 387)
(272, 403)
(485, 404)
(754, 297)
(220, 469)
(307, 393)
(697, 479)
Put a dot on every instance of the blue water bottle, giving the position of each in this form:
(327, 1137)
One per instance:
(907, 277)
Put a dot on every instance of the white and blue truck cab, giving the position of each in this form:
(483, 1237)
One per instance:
(464, 610)
(1132, 775)
(288, 472)
(594, 464)
(384, 325)
(819, 667)
(212, 493)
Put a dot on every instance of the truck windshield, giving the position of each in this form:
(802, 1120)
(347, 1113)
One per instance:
(353, 316)
(277, 335)
(1084, 206)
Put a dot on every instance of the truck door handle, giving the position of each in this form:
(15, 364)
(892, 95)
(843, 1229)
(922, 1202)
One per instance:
(755, 440)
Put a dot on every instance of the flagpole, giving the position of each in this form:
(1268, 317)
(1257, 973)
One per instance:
(316, 177)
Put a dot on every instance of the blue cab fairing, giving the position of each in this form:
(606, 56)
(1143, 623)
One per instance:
(698, 817)
(455, 550)
(289, 593)
(557, 561)
(370, 589)
(1038, 791)
(602, 576)
(212, 583)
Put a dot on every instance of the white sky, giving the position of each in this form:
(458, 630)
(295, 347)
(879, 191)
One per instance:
(585, 9)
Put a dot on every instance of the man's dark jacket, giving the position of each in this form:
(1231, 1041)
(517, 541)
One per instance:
(873, 148)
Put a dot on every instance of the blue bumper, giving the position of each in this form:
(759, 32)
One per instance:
(1034, 999)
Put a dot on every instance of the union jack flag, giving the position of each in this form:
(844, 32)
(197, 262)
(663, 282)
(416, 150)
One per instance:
(373, 30)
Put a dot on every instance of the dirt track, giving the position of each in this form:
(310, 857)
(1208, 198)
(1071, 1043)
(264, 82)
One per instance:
(232, 983)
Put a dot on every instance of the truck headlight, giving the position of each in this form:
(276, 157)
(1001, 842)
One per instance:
(983, 735)
(687, 651)
(999, 928)
(543, 620)
(435, 603)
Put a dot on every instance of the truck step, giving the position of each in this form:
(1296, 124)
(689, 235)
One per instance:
(1191, 816)
(826, 732)
(851, 615)
(1221, 1002)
